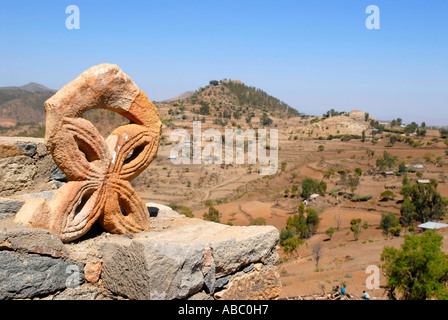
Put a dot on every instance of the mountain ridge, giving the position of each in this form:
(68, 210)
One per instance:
(32, 87)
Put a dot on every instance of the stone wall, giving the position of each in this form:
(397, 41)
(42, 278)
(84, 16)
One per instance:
(25, 165)
(180, 258)
(27, 170)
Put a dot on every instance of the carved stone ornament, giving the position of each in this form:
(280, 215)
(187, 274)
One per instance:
(98, 170)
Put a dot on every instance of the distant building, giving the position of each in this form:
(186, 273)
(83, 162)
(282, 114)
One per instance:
(423, 181)
(432, 225)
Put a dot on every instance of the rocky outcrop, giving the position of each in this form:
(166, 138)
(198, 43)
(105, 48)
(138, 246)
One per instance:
(180, 258)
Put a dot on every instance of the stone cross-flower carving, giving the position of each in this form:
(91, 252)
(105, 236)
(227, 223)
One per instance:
(99, 170)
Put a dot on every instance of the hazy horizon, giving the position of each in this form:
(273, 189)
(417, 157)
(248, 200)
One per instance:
(312, 55)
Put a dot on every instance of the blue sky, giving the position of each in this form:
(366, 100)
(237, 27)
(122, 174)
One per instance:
(314, 55)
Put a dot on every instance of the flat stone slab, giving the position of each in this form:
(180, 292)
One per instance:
(175, 261)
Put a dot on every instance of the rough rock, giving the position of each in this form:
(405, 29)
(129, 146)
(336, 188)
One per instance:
(92, 271)
(30, 240)
(85, 291)
(25, 165)
(9, 207)
(16, 173)
(57, 174)
(29, 148)
(10, 150)
(180, 257)
(27, 276)
(257, 285)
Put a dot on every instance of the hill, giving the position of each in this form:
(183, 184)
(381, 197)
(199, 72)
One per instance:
(182, 96)
(223, 102)
(25, 104)
(236, 96)
(32, 87)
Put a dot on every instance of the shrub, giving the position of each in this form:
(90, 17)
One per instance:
(334, 192)
(329, 232)
(359, 198)
(212, 215)
(395, 231)
(310, 186)
(355, 227)
(388, 221)
(291, 245)
(328, 173)
(285, 234)
(260, 221)
(387, 195)
(265, 120)
(205, 108)
(182, 209)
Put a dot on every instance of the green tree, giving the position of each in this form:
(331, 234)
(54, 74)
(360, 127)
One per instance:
(418, 270)
(283, 166)
(308, 188)
(205, 108)
(301, 208)
(265, 120)
(294, 189)
(329, 232)
(428, 203)
(285, 234)
(312, 220)
(291, 245)
(212, 215)
(407, 213)
(410, 128)
(350, 181)
(301, 226)
(388, 221)
(389, 160)
(395, 231)
(355, 227)
(402, 167)
(406, 187)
